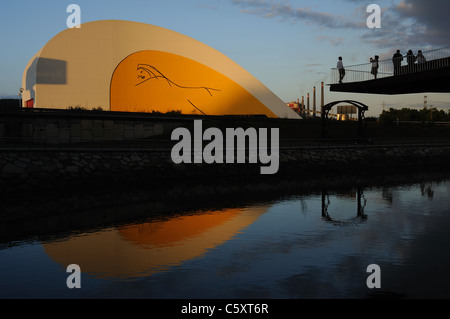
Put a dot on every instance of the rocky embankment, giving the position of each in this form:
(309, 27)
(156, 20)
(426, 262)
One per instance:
(49, 168)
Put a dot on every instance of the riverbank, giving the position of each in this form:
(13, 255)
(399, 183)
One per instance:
(60, 211)
(28, 169)
(44, 150)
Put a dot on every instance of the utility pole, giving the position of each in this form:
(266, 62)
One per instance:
(20, 97)
(314, 102)
(303, 104)
(322, 103)
(307, 102)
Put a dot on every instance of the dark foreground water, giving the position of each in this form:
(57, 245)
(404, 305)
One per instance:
(298, 241)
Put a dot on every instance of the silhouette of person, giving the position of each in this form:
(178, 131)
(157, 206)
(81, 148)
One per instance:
(397, 60)
(420, 57)
(340, 66)
(411, 59)
(375, 66)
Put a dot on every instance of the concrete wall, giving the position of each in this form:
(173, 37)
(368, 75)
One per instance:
(45, 150)
(67, 127)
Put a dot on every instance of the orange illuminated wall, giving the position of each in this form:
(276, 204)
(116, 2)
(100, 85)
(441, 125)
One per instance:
(149, 81)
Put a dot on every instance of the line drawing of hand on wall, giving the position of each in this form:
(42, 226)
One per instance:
(148, 72)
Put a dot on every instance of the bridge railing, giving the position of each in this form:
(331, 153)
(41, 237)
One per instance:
(433, 59)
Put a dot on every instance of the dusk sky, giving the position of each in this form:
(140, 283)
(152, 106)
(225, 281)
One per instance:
(290, 46)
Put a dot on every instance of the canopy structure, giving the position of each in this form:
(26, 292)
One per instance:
(135, 67)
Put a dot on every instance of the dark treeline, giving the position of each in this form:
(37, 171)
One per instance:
(9, 103)
(392, 115)
(423, 115)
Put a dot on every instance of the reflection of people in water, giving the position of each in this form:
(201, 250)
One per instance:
(427, 190)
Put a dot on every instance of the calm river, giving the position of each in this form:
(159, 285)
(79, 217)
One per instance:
(296, 240)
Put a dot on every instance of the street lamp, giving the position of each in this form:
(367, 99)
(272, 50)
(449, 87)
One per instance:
(20, 95)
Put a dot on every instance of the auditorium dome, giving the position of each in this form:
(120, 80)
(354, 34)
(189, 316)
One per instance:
(135, 67)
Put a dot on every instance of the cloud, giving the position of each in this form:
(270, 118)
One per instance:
(334, 41)
(413, 24)
(285, 11)
(405, 24)
(431, 23)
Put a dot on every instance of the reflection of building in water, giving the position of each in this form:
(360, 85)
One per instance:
(151, 247)
(361, 202)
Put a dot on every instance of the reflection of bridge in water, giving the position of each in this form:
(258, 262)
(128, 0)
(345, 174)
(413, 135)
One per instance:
(432, 75)
(360, 215)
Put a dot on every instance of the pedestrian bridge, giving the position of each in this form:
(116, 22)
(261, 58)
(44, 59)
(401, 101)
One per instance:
(433, 76)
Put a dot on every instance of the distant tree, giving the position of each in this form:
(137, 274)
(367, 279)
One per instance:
(407, 114)
(9, 103)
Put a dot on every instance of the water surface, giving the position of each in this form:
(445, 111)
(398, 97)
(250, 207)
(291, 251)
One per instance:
(314, 243)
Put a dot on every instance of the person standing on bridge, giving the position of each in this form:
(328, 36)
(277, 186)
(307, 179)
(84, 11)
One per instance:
(397, 60)
(420, 57)
(340, 66)
(421, 60)
(411, 59)
(375, 66)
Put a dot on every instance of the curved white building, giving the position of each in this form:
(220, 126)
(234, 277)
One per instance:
(135, 67)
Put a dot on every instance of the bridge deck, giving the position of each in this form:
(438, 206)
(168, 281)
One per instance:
(432, 75)
(433, 81)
